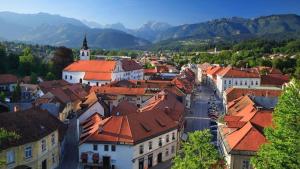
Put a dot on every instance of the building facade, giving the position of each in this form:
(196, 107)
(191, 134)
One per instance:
(40, 142)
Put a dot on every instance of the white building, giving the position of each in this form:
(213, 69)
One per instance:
(230, 76)
(128, 139)
(98, 72)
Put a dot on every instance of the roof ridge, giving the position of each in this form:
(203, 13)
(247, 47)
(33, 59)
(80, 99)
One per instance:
(244, 134)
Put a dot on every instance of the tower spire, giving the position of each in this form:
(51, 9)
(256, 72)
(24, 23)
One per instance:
(84, 43)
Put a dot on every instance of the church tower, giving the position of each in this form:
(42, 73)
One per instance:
(84, 51)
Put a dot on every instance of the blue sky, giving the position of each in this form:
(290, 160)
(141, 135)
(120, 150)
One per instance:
(133, 13)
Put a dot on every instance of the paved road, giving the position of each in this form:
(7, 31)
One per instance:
(198, 119)
(70, 160)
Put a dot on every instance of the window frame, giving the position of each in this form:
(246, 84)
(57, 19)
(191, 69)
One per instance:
(28, 149)
(106, 147)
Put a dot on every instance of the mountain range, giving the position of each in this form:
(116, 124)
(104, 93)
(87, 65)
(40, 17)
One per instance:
(56, 30)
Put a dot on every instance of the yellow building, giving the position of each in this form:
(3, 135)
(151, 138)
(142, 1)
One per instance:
(38, 146)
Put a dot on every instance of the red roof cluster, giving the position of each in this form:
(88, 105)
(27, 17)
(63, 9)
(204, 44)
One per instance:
(244, 124)
(63, 91)
(130, 125)
(233, 93)
(118, 90)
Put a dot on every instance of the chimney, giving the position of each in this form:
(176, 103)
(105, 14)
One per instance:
(16, 108)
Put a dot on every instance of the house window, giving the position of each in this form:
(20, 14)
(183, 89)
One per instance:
(241, 83)
(256, 83)
(229, 81)
(53, 158)
(246, 83)
(167, 152)
(66, 77)
(141, 149)
(224, 81)
(173, 149)
(43, 145)
(173, 136)
(95, 147)
(71, 77)
(167, 138)
(105, 147)
(80, 80)
(97, 83)
(28, 152)
(88, 83)
(245, 164)
(160, 142)
(113, 147)
(53, 139)
(10, 157)
(236, 83)
(150, 145)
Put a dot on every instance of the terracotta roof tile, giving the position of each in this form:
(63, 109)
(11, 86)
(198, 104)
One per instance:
(118, 90)
(238, 73)
(8, 79)
(233, 93)
(97, 76)
(100, 66)
(129, 65)
(244, 124)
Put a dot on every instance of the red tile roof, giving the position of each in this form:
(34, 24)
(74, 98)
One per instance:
(97, 76)
(150, 71)
(63, 91)
(244, 124)
(92, 66)
(8, 79)
(233, 93)
(274, 79)
(238, 73)
(247, 138)
(129, 65)
(118, 90)
(128, 128)
(213, 70)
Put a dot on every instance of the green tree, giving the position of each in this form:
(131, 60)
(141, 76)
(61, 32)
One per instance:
(50, 76)
(2, 97)
(26, 62)
(3, 59)
(197, 152)
(62, 58)
(16, 96)
(33, 78)
(282, 149)
(7, 136)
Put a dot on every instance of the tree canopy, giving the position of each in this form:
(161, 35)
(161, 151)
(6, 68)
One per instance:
(197, 152)
(282, 149)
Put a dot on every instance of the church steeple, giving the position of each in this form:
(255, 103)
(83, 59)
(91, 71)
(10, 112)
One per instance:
(84, 43)
(84, 51)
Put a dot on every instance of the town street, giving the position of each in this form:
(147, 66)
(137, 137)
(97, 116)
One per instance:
(198, 119)
(70, 159)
